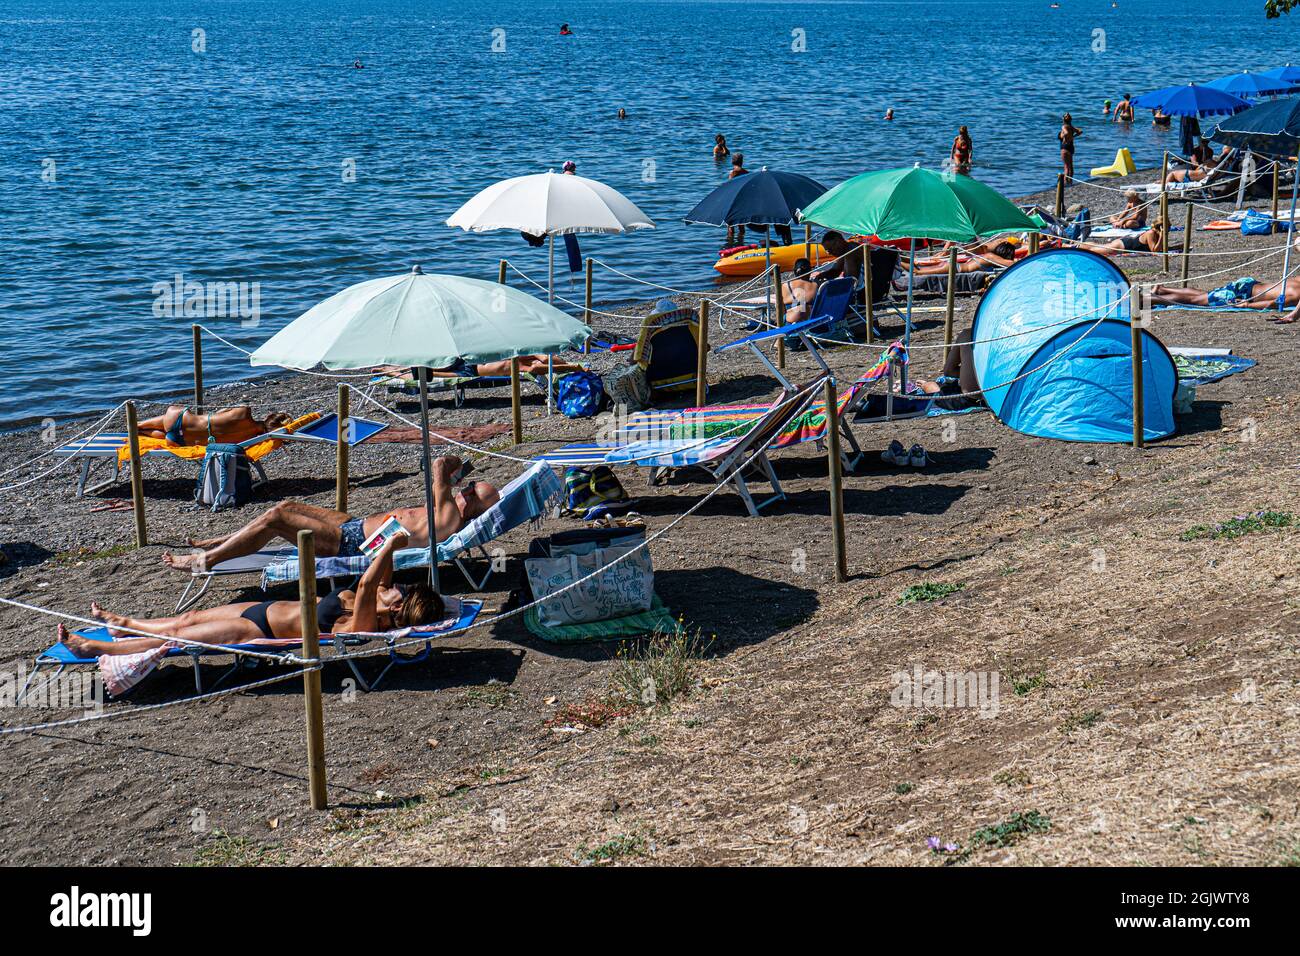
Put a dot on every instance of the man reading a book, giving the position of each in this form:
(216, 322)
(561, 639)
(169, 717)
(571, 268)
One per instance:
(339, 534)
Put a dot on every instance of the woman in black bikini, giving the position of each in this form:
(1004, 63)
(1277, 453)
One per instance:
(180, 426)
(1067, 134)
(376, 605)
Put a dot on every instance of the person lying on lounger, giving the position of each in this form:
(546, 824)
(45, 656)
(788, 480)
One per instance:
(339, 534)
(376, 605)
(528, 365)
(1148, 241)
(1134, 213)
(999, 257)
(952, 390)
(180, 426)
(1244, 293)
(1196, 173)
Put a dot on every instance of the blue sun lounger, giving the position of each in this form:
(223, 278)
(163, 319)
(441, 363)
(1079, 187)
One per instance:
(527, 498)
(62, 657)
(104, 447)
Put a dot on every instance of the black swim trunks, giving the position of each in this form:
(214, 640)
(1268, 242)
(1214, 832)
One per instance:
(351, 534)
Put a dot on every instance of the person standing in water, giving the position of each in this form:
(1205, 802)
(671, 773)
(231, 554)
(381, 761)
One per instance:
(1124, 110)
(720, 151)
(736, 234)
(1066, 137)
(963, 149)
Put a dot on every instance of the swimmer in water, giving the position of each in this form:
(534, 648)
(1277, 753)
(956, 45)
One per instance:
(622, 113)
(565, 31)
(720, 151)
(357, 65)
(1105, 108)
(889, 113)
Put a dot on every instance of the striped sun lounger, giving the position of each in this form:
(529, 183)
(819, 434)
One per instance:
(126, 671)
(527, 498)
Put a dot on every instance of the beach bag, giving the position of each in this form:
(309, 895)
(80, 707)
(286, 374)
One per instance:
(1256, 224)
(609, 590)
(593, 492)
(627, 387)
(580, 394)
(225, 477)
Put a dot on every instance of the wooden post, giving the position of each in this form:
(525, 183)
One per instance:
(311, 678)
(1060, 195)
(867, 293)
(1139, 401)
(516, 410)
(1277, 164)
(1164, 231)
(341, 452)
(951, 302)
(501, 273)
(137, 479)
(702, 359)
(1164, 172)
(198, 368)
(1033, 243)
(807, 243)
(586, 311)
(1187, 242)
(780, 315)
(834, 465)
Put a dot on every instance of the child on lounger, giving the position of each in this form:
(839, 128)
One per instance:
(180, 426)
(376, 605)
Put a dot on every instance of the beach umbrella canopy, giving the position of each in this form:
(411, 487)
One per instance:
(545, 204)
(1249, 84)
(1284, 74)
(764, 198)
(1192, 100)
(1272, 128)
(421, 319)
(917, 203)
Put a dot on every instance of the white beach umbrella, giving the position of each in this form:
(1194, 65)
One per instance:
(544, 204)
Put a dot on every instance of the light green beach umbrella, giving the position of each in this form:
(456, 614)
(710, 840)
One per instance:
(916, 203)
(425, 320)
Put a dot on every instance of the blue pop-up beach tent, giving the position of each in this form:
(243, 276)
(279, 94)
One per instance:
(1068, 376)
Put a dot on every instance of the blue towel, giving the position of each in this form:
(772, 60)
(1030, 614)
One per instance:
(573, 251)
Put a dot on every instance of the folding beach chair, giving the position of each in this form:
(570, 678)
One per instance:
(108, 447)
(527, 498)
(62, 657)
(720, 457)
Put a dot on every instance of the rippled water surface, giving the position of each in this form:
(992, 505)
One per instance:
(126, 157)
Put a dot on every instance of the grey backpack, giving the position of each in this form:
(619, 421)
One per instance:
(225, 477)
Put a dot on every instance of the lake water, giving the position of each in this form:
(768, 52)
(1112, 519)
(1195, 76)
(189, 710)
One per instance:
(133, 149)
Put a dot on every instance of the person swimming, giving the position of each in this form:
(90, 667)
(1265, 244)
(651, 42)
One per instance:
(622, 113)
(720, 151)
(889, 113)
(565, 31)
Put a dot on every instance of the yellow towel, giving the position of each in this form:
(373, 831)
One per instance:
(194, 452)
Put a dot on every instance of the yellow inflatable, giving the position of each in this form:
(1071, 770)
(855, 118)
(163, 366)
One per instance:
(752, 262)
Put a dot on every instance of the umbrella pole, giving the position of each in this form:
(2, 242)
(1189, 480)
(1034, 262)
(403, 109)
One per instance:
(550, 298)
(767, 246)
(1290, 239)
(428, 478)
(907, 325)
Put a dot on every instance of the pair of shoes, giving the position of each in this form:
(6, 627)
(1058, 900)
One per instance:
(895, 454)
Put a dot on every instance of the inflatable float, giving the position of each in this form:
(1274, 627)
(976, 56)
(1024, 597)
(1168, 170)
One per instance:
(752, 261)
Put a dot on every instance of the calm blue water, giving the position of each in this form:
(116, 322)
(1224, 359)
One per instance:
(226, 165)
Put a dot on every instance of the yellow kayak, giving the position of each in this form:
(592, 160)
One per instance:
(752, 262)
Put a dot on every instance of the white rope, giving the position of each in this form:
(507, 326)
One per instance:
(142, 708)
(97, 427)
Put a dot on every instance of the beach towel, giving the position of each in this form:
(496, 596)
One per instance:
(657, 620)
(1196, 370)
(197, 452)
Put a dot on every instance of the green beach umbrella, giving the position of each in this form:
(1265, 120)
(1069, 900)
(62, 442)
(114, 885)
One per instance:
(425, 320)
(915, 203)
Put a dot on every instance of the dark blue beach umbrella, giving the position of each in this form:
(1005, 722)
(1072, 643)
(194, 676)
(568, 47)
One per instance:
(1192, 100)
(764, 198)
(1284, 74)
(1271, 129)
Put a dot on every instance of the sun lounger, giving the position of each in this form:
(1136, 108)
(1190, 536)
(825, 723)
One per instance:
(457, 385)
(721, 456)
(527, 498)
(110, 447)
(462, 616)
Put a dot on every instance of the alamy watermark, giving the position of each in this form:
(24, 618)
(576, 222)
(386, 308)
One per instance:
(186, 298)
(933, 690)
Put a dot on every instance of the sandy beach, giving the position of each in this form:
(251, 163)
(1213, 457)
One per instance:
(1147, 708)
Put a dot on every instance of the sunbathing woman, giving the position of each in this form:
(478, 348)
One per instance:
(799, 292)
(1243, 293)
(180, 426)
(1134, 213)
(1148, 241)
(528, 365)
(1197, 172)
(376, 605)
(1001, 256)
